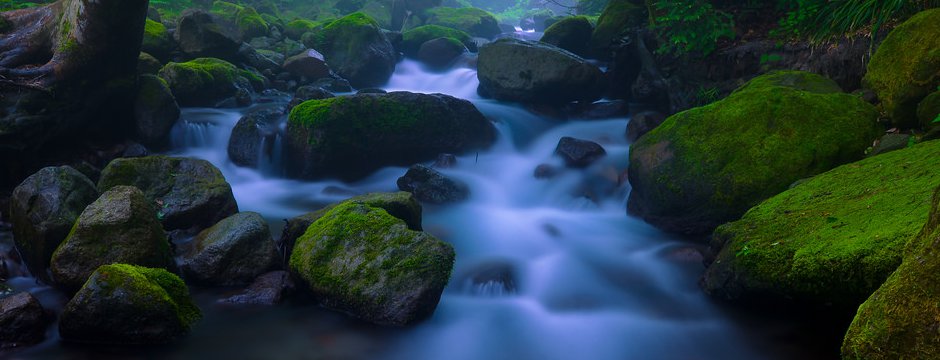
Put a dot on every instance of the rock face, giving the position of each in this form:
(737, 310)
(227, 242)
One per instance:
(155, 111)
(120, 227)
(708, 165)
(22, 321)
(571, 33)
(414, 38)
(129, 305)
(361, 260)
(473, 21)
(204, 81)
(351, 136)
(357, 50)
(832, 239)
(309, 64)
(430, 186)
(440, 53)
(579, 153)
(191, 193)
(232, 252)
(254, 135)
(904, 69)
(201, 34)
(43, 209)
(900, 319)
(617, 19)
(523, 71)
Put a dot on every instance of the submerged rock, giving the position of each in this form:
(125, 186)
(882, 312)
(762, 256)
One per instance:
(579, 153)
(22, 321)
(155, 111)
(231, 252)
(357, 50)
(129, 305)
(430, 186)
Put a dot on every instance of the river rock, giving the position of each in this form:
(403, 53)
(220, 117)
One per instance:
(232, 252)
(707, 166)
(617, 19)
(205, 81)
(43, 209)
(525, 71)
(267, 289)
(414, 38)
(121, 226)
(440, 53)
(642, 123)
(309, 64)
(189, 193)
(129, 305)
(352, 136)
(147, 64)
(473, 21)
(305, 93)
(22, 321)
(571, 33)
(253, 131)
(378, 270)
(430, 186)
(357, 50)
(157, 40)
(201, 34)
(830, 240)
(579, 153)
(155, 111)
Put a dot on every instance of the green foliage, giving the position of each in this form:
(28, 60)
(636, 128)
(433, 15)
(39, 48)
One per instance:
(690, 26)
(7, 5)
(821, 19)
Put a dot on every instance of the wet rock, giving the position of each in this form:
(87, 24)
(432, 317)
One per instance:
(147, 64)
(155, 111)
(22, 321)
(309, 64)
(43, 209)
(231, 252)
(205, 81)
(305, 93)
(579, 153)
(129, 305)
(267, 60)
(201, 34)
(600, 110)
(545, 171)
(357, 50)
(414, 38)
(156, 41)
(134, 149)
(267, 289)
(928, 111)
(254, 136)
(473, 21)
(440, 53)
(445, 161)
(891, 142)
(333, 85)
(490, 279)
(618, 18)
(430, 186)
(571, 33)
(642, 123)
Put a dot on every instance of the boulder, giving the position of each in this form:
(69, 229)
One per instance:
(642, 123)
(43, 209)
(430, 186)
(120, 227)
(707, 166)
(832, 239)
(524, 71)
(928, 111)
(22, 321)
(357, 50)
(309, 64)
(157, 40)
(155, 111)
(205, 81)
(473, 21)
(254, 135)
(295, 29)
(352, 136)
(250, 24)
(891, 142)
(231, 252)
(201, 34)
(899, 321)
(366, 262)
(414, 38)
(267, 289)
(129, 305)
(571, 33)
(147, 64)
(189, 193)
(618, 19)
(305, 93)
(440, 53)
(578, 153)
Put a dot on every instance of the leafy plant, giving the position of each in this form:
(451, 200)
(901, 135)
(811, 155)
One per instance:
(690, 26)
(821, 19)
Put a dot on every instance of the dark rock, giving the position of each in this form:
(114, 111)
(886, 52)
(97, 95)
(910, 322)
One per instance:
(571, 33)
(147, 64)
(133, 149)
(309, 64)
(333, 85)
(205, 81)
(642, 123)
(254, 136)
(305, 93)
(22, 321)
(357, 50)
(232, 252)
(491, 279)
(618, 18)
(430, 186)
(414, 38)
(201, 34)
(371, 91)
(600, 110)
(445, 161)
(267, 289)
(440, 53)
(579, 153)
(156, 40)
(545, 171)
(254, 58)
(155, 111)
(891, 142)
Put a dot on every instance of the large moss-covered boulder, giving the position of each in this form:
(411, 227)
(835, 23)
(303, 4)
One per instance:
(232, 252)
(204, 81)
(525, 71)
(901, 319)
(413, 39)
(352, 136)
(189, 193)
(476, 22)
(155, 111)
(121, 226)
(708, 165)
(617, 20)
(201, 34)
(129, 305)
(571, 33)
(43, 209)
(157, 40)
(906, 67)
(364, 261)
(832, 239)
(357, 50)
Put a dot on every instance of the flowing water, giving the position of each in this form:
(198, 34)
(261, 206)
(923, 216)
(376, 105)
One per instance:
(546, 269)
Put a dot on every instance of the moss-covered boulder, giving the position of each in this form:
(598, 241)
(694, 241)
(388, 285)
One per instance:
(157, 40)
(414, 38)
(708, 165)
(204, 81)
(832, 239)
(120, 227)
(901, 319)
(129, 305)
(295, 29)
(357, 50)
(571, 33)
(476, 22)
(526, 71)
(928, 111)
(906, 67)
(43, 209)
(351, 136)
(617, 20)
(189, 193)
(364, 261)
(251, 24)
(441, 53)
(148, 65)
(231, 252)
(201, 34)
(155, 111)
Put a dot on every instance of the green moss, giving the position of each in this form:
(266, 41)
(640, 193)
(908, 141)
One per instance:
(297, 28)
(226, 10)
(412, 39)
(152, 283)
(170, 9)
(906, 67)
(799, 80)
(571, 33)
(380, 115)
(156, 39)
(618, 17)
(202, 81)
(476, 22)
(251, 24)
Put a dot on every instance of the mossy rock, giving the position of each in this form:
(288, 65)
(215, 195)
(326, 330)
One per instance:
(129, 305)
(414, 38)
(571, 33)
(204, 81)
(251, 24)
(232, 252)
(709, 165)
(473, 21)
(157, 40)
(363, 261)
(617, 20)
(900, 320)
(295, 29)
(357, 50)
(190, 193)
(204, 35)
(928, 111)
(906, 67)
(155, 111)
(120, 227)
(832, 239)
(351, 136)
(147, 64)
